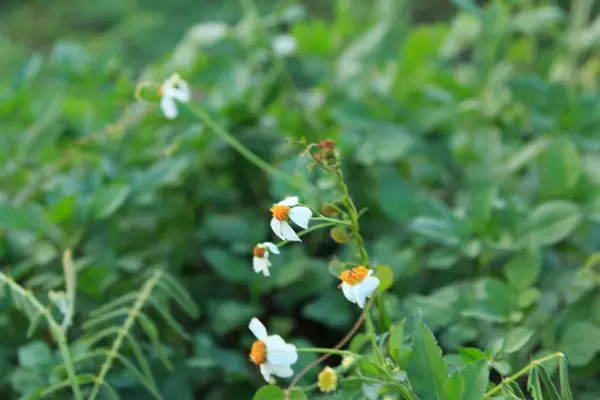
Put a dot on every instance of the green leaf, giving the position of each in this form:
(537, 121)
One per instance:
(467, 5)
(533, 384)
(559, 168)
(550, 388)
(386, 277)
(270, 392)
(396, 342)
(389, 144)
(231, 268)
(179, 293)
(516, 339)
(475, 376)
(331, 309)
(231, 314)
(537, 19)
(22, 219)
(108, 200)
(145, 381)
(426, 369)
(522, 269)
(454, 387)
(580, 342)
(565, 387)
(550, 223)
(35, 356)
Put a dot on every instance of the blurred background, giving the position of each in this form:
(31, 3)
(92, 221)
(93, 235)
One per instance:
(470, 130)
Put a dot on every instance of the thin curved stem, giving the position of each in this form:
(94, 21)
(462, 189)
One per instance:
(327, 351)
(324, 357)
(243, 150)
(371, 330)
(306, 231)
(57, 333)
(522, 372)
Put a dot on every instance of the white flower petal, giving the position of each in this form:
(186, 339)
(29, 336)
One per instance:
(182, 93)
(272, 247)
(279, 352)
(288, 233)
(301, 216)
(360, 299)
(276, 226)
(261, 264)
(369, 285)
(265, 370)
(168, 107)
(258, 329)
(290, 201)
(347, 290)
(282, 371)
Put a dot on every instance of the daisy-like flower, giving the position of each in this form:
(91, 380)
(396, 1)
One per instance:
(174, 88)
(261, 253)
(327, 380)
(358, 284)
(271, 353)
(289, 208)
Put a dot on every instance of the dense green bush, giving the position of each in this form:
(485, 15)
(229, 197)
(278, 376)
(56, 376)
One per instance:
(473, 144)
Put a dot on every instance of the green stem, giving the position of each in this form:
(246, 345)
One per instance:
(327, 351)
(57, 333)
(307, 230)
(127, 326)
(371, 331)
(521, 372)
(243, 150)
(404, 391)
(332, 220)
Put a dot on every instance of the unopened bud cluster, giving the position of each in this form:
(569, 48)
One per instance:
(327, 153)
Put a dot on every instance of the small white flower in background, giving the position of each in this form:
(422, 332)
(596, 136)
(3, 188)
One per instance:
(261, 253)
(171, 90)
(284, 45)
(327, 380)
(289, 208)
(358, 284)
(271, 353)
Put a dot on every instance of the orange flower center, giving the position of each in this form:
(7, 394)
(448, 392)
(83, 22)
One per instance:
(280, 212)
(354, 276)
(258, 353)
(259, 251)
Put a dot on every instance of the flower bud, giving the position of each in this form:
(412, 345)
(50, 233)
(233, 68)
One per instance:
(327, 380)
(330, 210)
(339, 235)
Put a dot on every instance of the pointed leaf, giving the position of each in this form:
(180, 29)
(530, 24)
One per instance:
(454, 387)
(119, 301)
(168, 318)
(138, 375)
(565, 387)
(141, 359)
(178, 293)
(426, 369)
(550, 388)
(152, 332)
(476, 379)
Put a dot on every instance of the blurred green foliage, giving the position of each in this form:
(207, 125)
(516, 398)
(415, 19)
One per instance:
(473, 140)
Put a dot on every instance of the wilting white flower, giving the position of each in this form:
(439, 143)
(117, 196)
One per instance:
(261, 253)
(358, 284)
(289, 208)
(271, 353)
(284, 45)
(174, 88)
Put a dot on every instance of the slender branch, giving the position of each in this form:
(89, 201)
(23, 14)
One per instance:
(324, 357)
(129, 323)
(57, 333)
(243, 150)
(308, 230)
(522, 372)
(327, 351)
(371, 330)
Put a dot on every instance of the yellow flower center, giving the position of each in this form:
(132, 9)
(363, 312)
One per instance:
(280, 212)
(327, 380)
(259, 252)
(258, 353)
(354, 276)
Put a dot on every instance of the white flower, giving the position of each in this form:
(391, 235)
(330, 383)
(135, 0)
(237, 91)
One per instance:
(284, 45)
(358, 284)
(271, 353)
(261, 252)
(289, 208)
(173, 89)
